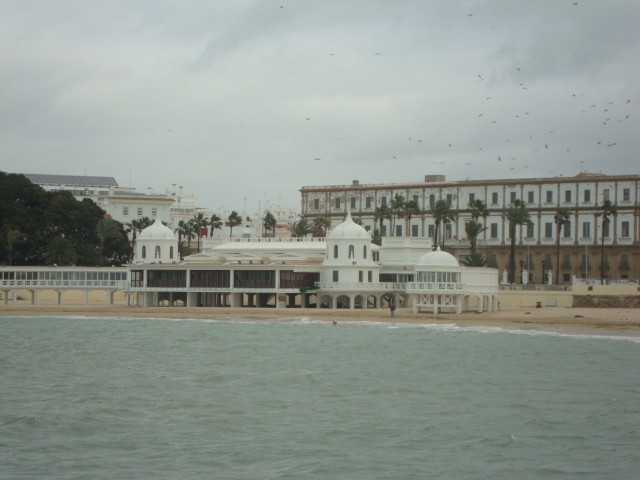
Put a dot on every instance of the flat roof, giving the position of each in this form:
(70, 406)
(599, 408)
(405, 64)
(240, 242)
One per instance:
(74, 180)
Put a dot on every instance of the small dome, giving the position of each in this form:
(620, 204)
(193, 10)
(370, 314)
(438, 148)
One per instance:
(157, 231)
(349, 229)
(437, 258)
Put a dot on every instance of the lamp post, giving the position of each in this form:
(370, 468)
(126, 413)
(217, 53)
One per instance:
(522, 271)
(543, 272)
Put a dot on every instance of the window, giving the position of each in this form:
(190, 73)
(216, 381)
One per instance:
(626, 195)
(513, 196)
(584, 261)
(337, 203)
(352, 251)
(432, 200)
(472, 197)
(144, 251)
(335, 275)
(449, 199)
(566, 227)
(605, 194)
(605, 260)
(171, 252)
(531, 230)
(367, 202)
(353, 202)
(587, 195)
(398, 230)
(360, 276)
(139, 211)
(316, 204)
(431, 231)
(605, 229)
(125, 211)
(494, 198)
(335, 251)
(547, 261)
(567, 196)
(383, 200)
(549, 196)
(586, 229)
(370, 276)
(625, 229)
(414, 230)
(494, 230)
(154, 212)
(383, 231)
(530, 197)
(416, 198)
(447, 230)
(624, 260)
(493, 262)
(566, 260)
(364, 252)
(157, 252)
(548, 230)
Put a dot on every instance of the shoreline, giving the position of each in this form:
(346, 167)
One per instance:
(613, 320)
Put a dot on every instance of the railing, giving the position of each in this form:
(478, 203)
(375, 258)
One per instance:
(66, 283)
(375, 286)
(535, 287)
(435, 286)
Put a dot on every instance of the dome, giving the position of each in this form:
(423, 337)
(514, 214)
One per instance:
(437, 258)
(157, 231)
(349, 229)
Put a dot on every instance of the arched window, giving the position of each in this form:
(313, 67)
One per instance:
(144, 251)
(352, 251)
(157, 253)
(364, 252)
(171, 251)
(335, 251)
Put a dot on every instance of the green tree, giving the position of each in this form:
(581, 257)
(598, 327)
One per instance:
(516, 214)
(474, 260)
(184, 230)
(59, 252)
(107, 229)
(320, 226)
(215, 223)
(473, 229)
(442, 213)
(382, 213)
(300, 228)
(136, 226)
(478, 209)
(410, 209)
(560, 218)
(269, 223)
(376, 238)
(396, 206)
(199, 221)
(607, 210)
(11, 238)
(234, 220)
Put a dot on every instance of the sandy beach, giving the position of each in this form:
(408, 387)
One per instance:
(616, 320)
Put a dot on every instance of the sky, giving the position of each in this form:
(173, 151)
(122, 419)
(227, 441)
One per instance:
(244, 102)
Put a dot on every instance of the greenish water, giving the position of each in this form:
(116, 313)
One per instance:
(103, 398)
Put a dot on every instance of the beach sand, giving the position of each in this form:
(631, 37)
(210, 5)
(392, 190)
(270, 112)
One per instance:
(615, 320)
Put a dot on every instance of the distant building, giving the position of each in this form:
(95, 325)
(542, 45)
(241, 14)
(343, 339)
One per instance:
(583, 195)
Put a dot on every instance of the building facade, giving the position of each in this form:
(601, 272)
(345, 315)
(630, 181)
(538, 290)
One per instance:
(581, 252)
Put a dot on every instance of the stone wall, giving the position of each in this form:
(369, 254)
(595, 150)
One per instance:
(606, 301)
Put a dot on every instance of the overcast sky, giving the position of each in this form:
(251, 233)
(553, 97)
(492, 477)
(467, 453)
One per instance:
(245, 101)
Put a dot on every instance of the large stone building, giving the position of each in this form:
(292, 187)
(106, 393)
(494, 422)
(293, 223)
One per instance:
(580, 241)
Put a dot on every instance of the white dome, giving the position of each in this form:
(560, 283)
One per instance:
(349, 229)
(437, 258)
(157, 231)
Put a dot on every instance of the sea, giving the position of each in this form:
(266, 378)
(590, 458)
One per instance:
(124, 398)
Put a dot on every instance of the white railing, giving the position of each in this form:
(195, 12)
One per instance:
(435, 287)
(360, 286)
(119, 284)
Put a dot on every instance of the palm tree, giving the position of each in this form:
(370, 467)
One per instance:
(410, 209)
(442, 213)
(320, 226)
(59, 251)
(397, 207)
(215, 223)
(474, 260)
(135, 227)
(516, 214)
(269, 223)
(301, 228)
(478, 209)
(234, 220)
(199, 222)
(382, 213)
(560, 218)
(183, 230)
(607, 210)
(473, 229)
(107, 228)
